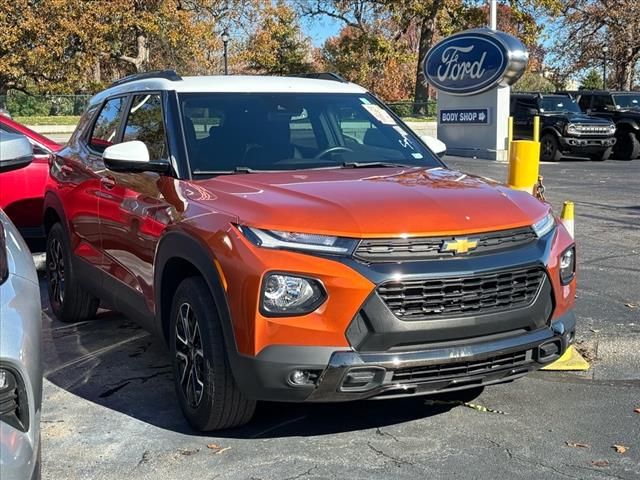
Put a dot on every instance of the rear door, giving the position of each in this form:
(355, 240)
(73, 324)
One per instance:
(77, 171)
(133, 210)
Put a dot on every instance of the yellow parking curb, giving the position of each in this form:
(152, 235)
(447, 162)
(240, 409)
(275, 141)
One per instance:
(571, 360)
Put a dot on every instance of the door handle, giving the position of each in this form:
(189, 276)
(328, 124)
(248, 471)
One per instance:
(108, 182)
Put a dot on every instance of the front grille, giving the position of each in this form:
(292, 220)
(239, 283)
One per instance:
(593, 129)
(461, 369)
(423, 248)
(462, 296)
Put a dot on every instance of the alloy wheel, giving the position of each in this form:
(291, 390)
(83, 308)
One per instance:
(189, 355)
(55, 266)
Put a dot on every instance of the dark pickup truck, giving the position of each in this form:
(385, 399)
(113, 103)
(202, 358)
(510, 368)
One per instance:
(564, 128)
(622, 108)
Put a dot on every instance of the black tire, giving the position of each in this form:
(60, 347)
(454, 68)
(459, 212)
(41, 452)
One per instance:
(550, 148)
(602, 156)
(206, 390)
(69, 301)
(627, 146)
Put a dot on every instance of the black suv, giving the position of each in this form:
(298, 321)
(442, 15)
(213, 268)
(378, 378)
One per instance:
(622, 108)
(563, 127)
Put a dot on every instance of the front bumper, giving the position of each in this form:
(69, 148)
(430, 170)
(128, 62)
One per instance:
(343, 375)
(586, 145)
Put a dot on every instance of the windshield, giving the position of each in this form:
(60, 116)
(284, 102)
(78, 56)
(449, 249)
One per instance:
(558, 103)
(629, 100)
(228, 132)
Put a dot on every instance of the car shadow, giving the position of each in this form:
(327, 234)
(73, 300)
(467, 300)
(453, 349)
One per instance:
(112, 362)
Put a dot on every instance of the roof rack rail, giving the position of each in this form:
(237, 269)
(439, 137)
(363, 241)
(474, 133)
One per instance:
(167, 74)
(323, 76)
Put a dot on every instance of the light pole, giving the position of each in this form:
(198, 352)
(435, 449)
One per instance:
(605, 49)
(225, 41)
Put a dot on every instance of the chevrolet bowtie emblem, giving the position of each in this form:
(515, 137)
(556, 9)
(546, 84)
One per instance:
(459, 245)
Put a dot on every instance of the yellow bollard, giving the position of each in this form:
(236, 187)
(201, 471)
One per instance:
(567, 217)
(509, 136)
(524, 165)
(536, 128)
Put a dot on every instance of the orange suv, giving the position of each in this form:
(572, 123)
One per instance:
(292, 240)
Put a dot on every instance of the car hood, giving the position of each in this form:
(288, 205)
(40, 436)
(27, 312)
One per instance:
(369, 202)
(580, 118)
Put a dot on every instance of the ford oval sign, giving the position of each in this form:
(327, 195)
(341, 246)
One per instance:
(474, 61)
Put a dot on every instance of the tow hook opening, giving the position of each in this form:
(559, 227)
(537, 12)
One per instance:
(362, 379)
(549, 351)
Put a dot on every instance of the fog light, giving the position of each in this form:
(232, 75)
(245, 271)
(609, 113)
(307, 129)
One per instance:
(299, 377)
(568, 265)
(284, 295)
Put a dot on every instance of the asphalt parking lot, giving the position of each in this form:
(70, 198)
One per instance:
(109, 410)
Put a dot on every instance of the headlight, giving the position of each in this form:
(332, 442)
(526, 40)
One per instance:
(612, 128)
(568, 265)
(299, 241)
(544, 226)
(572, 129)
(290, 295)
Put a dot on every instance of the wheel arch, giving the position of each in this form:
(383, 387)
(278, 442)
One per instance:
(627, 125)
(52, 212)
(179, 256)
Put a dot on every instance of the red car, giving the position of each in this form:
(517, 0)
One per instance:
(22, 191)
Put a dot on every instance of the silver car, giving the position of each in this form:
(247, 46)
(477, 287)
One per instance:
(20, 338)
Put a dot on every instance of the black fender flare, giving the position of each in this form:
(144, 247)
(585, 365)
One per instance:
(180, 245)
(551, 130)
(52, 202)
(627, 124)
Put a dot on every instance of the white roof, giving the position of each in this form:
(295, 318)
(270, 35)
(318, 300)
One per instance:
(234, 84)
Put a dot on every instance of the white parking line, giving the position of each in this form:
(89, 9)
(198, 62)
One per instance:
(96, 353)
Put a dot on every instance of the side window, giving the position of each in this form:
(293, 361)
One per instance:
(145, 124)
(602, 103)
(584, 103)
(106, 127)
(522, 107)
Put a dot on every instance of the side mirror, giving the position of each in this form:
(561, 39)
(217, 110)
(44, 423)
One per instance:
(435, 145)
(15, 151)
(132, 156)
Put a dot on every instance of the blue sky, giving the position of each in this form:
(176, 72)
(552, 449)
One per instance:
(319, 29)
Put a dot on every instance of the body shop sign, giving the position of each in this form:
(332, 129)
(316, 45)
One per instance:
(478, 116)
(474, 61)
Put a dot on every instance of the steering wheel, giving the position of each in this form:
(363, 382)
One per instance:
(332, 150)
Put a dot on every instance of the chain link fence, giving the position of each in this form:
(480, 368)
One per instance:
(20, 104)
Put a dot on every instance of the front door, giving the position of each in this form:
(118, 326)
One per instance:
(133, 210)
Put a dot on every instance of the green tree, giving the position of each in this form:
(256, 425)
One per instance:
(592, 80)
(277, 46)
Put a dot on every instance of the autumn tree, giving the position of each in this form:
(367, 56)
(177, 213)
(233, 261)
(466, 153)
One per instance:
(588, 25)
(412, 27)
(58, 46)
(277, 46)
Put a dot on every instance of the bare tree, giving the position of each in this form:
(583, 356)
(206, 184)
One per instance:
(587, 26)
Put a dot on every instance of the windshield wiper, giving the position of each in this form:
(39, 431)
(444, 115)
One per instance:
(225, 172)
(375, 164)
